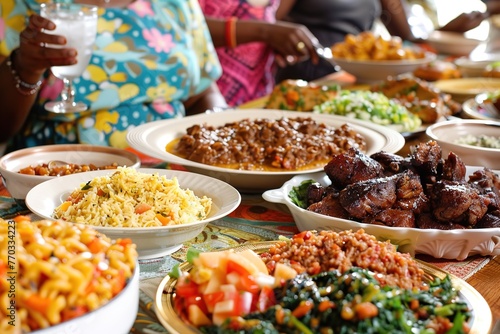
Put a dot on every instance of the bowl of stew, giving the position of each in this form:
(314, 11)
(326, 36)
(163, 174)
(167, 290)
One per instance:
(23, 169)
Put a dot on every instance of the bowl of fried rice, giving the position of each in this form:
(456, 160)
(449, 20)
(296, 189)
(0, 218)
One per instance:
(158, 209)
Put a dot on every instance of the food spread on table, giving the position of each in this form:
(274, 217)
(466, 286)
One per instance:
(317, 282)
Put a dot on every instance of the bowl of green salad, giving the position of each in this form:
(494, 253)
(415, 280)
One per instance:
(477, 142)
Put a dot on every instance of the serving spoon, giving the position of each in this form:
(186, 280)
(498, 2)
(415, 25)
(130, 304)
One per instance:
(57, 163)
(326, 53)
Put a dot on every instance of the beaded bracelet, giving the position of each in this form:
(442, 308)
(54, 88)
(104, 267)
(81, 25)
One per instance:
(231, 32)
(21, 85)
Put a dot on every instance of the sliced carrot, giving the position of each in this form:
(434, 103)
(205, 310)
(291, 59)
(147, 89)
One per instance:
(64, 206)
(3, 268)
(21, 218)
(164, 220)
(73, 312)
(95, 246)
(142, 207)
(118, 283)
(37, 303)
(124, 242)
(303, 308)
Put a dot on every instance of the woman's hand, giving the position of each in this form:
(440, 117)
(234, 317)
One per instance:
(291, 42)
(465, 22)
(35, 54)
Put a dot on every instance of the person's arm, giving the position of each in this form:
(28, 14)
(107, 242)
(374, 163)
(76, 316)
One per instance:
(493, 7)
(283, 37)
(209, 99)
(395, 19)
(27, 65)
(465, 22)
(284, 8)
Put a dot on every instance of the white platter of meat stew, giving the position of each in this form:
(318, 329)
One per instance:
(152, 139)
(447, 240)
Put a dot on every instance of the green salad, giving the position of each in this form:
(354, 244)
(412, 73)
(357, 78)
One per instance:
(370, 106)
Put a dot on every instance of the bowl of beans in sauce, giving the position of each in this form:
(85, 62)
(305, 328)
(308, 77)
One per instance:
(23, 169)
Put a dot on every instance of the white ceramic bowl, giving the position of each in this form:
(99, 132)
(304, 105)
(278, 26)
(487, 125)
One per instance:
(446, 133)
(152, 138)
(470, 68)
(117, 316)
(18, 184)
(448, 244)
(451, 43)
(152, 242)
(371, 71)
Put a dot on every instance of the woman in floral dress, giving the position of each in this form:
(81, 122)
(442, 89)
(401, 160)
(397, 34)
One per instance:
(153, 59)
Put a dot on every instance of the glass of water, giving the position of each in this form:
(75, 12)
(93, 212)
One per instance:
(78, 23)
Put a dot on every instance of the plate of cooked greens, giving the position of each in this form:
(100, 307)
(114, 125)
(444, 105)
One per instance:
(354, 300)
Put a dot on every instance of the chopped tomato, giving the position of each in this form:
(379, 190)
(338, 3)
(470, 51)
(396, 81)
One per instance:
(249, 284)
(266, 299)
(195, 300)
(236, 267)
(186, 287)
(100, 192)
(213, 298)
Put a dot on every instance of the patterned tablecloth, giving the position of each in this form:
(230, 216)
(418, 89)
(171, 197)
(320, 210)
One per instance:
(254, 220)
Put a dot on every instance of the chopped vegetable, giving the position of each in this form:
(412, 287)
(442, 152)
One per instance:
(298, 194)
(370, 106)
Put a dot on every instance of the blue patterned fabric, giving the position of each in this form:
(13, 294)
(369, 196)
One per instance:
(148, 58)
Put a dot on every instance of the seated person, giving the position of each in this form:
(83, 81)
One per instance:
(152, 60)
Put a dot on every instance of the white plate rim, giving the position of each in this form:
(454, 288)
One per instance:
(455, 86)
(429, 56)
(144, 138)
(470, 107)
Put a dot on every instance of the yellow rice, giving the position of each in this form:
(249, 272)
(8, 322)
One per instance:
(112, 200)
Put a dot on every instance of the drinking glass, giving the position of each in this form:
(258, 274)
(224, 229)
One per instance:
(78, 23)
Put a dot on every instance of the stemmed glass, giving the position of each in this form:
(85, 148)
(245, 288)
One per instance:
(78, 23)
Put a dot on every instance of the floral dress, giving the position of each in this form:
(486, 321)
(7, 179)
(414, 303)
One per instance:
(148, 58)
(248, 68)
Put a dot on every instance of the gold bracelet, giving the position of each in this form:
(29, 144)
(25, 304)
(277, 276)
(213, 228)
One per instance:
(22, 87)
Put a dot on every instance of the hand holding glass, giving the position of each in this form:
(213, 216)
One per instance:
(78, 23)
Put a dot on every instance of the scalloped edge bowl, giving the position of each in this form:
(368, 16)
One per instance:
(448, 244)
